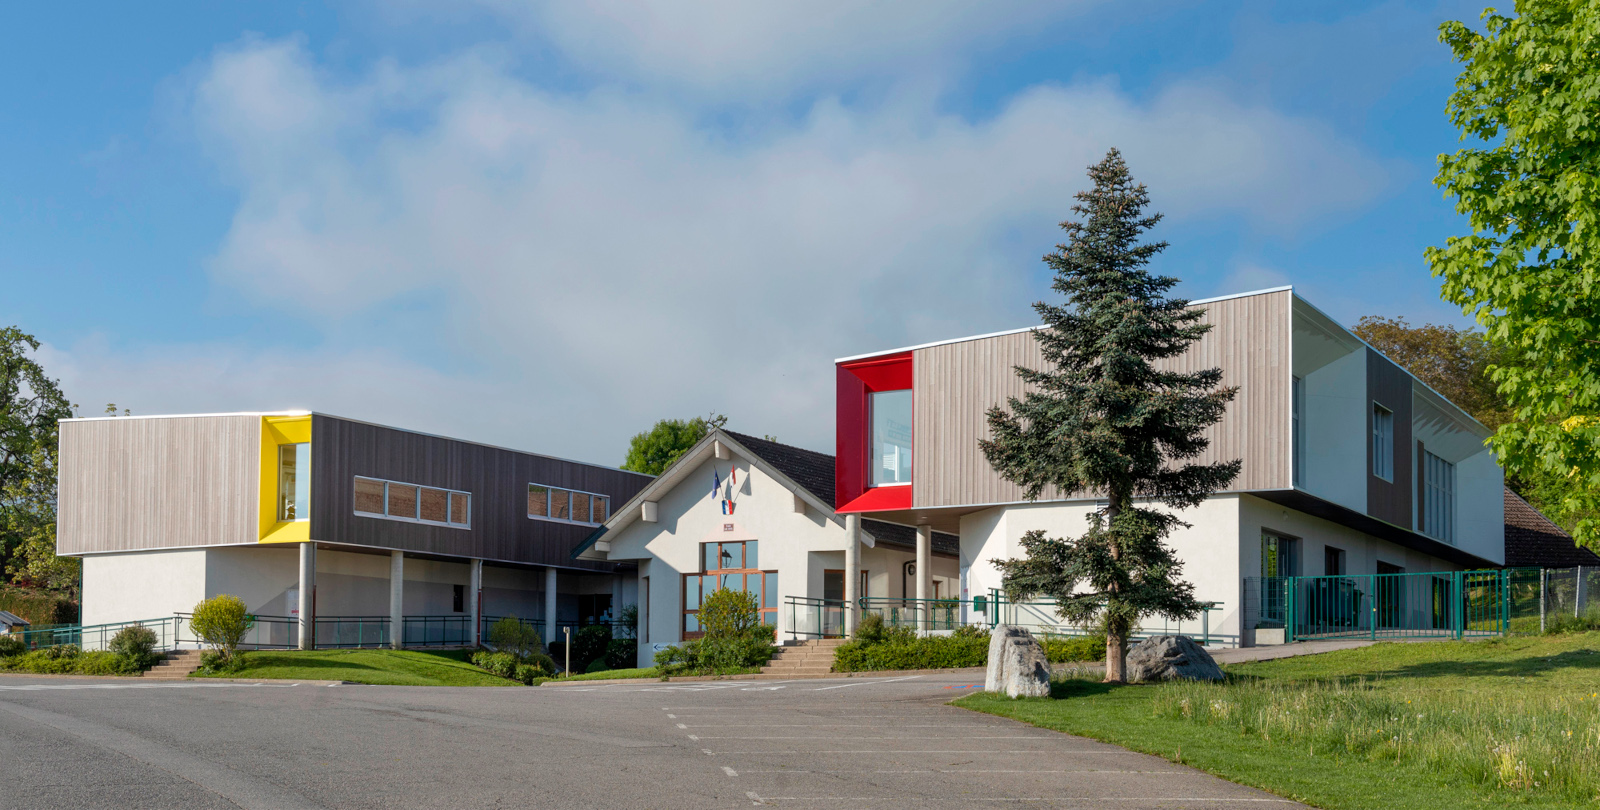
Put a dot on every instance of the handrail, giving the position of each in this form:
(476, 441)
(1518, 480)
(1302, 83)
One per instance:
(815, 617)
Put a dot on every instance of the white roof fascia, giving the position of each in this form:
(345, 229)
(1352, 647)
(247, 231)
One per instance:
(871, 355)
(183, 415)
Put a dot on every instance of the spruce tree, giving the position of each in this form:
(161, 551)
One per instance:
(1104, 419)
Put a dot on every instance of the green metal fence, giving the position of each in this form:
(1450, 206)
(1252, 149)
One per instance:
(812, 617)
(1439, 604)
(96, 636)
(918, 614)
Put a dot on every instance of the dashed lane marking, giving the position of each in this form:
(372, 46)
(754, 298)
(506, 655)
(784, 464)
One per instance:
(729, 771)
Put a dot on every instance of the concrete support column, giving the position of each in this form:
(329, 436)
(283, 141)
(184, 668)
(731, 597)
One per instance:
(852, 571)
(397, 599)
(308, 596)
(550, 606)
(475, 593)
(924, 575)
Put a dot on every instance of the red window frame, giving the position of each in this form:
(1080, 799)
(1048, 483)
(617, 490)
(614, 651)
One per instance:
(857, 380)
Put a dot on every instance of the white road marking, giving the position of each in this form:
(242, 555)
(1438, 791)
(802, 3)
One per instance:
(679, 725)
(754, 797)
(761, 688)
(692, 737)
(729, 771)
(867, 683)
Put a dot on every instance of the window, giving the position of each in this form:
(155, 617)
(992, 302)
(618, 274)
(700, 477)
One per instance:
(891, 438)
(1438, 498)
(567, 505)
(729, 565)
(1298, 448)
(1332, 561)
(1277, 556)
(375, 497)
(1382, 442)
(294, 482)
(458, 599)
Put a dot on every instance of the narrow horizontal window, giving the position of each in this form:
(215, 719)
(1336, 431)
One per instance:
(564, 505)
(395, 500)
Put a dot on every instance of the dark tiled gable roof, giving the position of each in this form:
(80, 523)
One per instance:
(1533, 541)
(814, 471)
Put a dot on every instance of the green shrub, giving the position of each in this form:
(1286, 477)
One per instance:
(106, 663)
(721, 655)
(528, 673)
(727, 613)
(213, 662)
(59, 660)
(11, 645)
(622, 653)
(222, 622)
(1061, 649)
(628, 622)
(966, 649)
(589, 645)
(39, 606)
(515, 636)
(137, 644)
(597, 665)
(503, 664)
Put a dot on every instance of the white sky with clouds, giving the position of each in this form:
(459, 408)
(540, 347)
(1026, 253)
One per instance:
(476, 252)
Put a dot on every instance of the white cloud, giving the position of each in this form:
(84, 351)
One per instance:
(755, 51)
(591, 263)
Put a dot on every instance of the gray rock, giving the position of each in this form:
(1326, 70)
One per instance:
(1171, 658)
(1017, 664)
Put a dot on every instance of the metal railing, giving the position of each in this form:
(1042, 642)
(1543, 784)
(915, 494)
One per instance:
(917, 614)
(1040, 616)
(95, 636)
(1435, 604)
(812, 617)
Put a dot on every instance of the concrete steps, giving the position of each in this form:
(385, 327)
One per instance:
(805, 659)
(178, 664)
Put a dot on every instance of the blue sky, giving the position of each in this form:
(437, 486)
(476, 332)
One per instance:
(546, 225)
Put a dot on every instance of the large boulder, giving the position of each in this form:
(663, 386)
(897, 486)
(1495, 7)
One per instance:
(1017, 664)
(1171, 658)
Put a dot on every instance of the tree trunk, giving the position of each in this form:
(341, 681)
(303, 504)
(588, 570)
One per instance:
(1116, 657)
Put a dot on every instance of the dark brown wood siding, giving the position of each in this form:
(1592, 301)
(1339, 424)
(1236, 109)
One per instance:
(1390, 386)
(497, 478)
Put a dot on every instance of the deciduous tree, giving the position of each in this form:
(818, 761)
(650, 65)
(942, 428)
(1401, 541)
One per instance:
(1529, 270)
(653, 451)
(1101, 416)
(30, 405)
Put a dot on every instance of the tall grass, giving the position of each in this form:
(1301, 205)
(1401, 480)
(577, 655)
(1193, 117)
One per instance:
(1543, 744)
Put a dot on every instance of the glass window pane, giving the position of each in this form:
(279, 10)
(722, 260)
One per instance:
(733, 582)
(769, 597)
(538, 501)
(891, 437)
(751, 559)
(435, 504)
(730, 556)
(602, 508)
(460, 508)
(580, 506)
(710, 557)
(691, 623)
(560, 504)
(691, 593)
(402, 500)
(294, 481)
(369, 496)
(769, 617)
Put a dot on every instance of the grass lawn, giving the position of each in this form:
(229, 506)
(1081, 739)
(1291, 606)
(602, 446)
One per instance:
(385, 667)
(1392, 726)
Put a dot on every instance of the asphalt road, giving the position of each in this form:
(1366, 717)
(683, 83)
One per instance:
(856, 743)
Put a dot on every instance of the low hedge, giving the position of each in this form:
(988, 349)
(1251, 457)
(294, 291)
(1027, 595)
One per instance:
(67, 659)
(527, 669)
(40, 607)
(878, 648)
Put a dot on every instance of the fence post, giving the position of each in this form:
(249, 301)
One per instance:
(1577, 596)
(1289, 619)
(1505, 601)
(1459, 603)
(1373, 595)
(1544, 580)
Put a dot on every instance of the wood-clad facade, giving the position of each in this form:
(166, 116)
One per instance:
(149, 483)
(497, 479)
(956, 383)
(134, 484)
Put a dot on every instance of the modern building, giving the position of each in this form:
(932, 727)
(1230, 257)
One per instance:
(746, 513)
(1350, 464)
(309, 516)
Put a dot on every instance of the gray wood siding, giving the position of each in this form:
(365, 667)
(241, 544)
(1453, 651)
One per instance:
(1390, 386)
(956, 383)
(132, 484)
(498, 480)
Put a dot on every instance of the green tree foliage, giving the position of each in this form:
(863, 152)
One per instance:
(30, 405)
(728, 612)
(1101, 417)
(222, 622)
(29, 522)
(655, 450)
(515, 636)
(1529, 270)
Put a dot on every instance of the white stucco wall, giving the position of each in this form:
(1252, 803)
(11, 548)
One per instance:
(265, 577)
(142, 585)
(1206, 548)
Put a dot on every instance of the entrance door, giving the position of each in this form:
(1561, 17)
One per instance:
(1391, 594)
